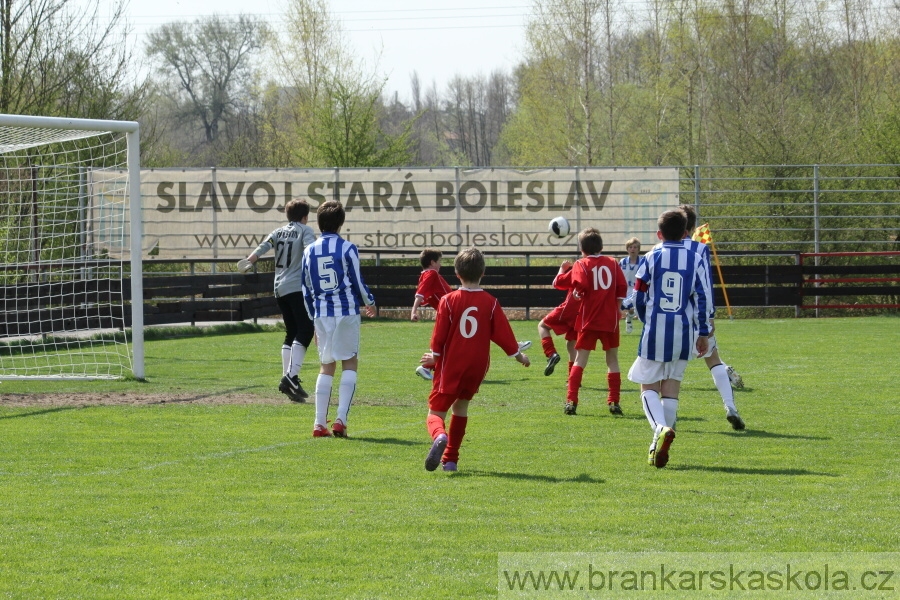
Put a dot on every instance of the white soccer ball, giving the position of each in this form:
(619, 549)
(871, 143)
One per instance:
(559, 226)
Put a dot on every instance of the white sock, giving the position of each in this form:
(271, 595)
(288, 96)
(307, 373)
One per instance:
(285, 359)
(670, 410)
(323, 396)
(345, 395)
(723, 384)
(653, 409)
(298, 353)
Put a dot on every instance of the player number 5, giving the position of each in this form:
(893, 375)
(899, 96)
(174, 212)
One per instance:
(327, 275)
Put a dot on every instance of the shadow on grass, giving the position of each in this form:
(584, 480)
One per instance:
(212, 395)
(390, 441)
(750, 471)
(714, 389)
(759, 433)
(44, 411)
(583, 478)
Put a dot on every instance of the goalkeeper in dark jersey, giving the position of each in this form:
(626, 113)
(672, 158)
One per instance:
(289, 242)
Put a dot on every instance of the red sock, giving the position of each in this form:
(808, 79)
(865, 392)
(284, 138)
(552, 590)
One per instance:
(457, 432)
(547, 345)
(571, 364)
(435, 426)
(575, 376)
(614, 382)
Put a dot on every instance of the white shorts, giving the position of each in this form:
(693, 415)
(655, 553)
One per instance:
(710, 349)
(337, 338)
(649, 371)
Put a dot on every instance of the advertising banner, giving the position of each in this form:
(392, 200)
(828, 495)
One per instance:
(226, 213)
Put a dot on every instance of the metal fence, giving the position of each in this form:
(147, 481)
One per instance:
(808, 208)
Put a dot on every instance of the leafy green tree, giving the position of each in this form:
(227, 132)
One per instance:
(348, 131)
(336, 110)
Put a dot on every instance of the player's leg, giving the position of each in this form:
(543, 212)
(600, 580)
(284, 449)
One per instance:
(459, 418)
(544, 332)
(719, 372)
(301, 331)
(570, 348)
(670, 386)
(438, 405)
(653, 410)
(325, 327)
(285, 385)
(346, 349)
(610, 341)
(575, 377)
(668, 391)
(649, 374)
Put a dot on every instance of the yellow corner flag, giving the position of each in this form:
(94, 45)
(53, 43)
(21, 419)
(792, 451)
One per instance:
(702, 234)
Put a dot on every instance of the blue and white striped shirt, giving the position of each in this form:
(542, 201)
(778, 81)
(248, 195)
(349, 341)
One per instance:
(629, 269)
(673, 300)
(333, 285)
(703, 250)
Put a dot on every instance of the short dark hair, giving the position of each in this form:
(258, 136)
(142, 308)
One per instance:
(691, 215)
(296, 209)
(428, 256)
(590, 241)
(469, 265)
(672, 224)
(330, 216)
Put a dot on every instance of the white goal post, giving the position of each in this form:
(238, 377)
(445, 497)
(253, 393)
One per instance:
(70, 228)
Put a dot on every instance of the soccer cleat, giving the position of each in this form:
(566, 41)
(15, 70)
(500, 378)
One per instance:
(450, 466)
(321, 431)
(570, 408)
(664, 441)
(551, 364)
(736, 380)
(614, 408)
(523, 346)
(290, 386)
(424, 373)
(437, 450)
(737, 423)
(339, 429)
(629, 326)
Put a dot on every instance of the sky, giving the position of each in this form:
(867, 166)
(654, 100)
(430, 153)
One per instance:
(436, 39)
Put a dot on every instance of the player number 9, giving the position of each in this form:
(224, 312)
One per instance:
(671, 289)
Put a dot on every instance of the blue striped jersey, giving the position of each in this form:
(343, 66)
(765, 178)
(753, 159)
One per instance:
(703, 250)
(673, 300)
(630, 270)
(333, 285)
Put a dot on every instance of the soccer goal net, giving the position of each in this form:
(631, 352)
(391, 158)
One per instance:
(70, 231)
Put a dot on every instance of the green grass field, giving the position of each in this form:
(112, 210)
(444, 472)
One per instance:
(195, 499)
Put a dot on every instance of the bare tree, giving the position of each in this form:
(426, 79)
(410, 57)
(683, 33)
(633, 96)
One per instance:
(57, 58)
(211, 61)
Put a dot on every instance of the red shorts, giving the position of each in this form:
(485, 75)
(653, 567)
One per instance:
(555, 323)
(442, 402)
(587, 339)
